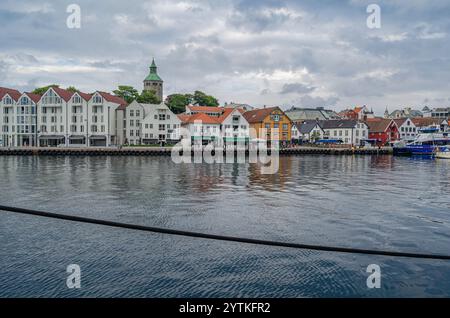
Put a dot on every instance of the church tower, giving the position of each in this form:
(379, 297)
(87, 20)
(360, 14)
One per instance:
(153, 82)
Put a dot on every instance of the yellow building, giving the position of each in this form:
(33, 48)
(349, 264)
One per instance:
(270, 124)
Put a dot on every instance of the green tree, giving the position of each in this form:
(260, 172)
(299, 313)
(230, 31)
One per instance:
(72, 89)
(128, 93)
(42, 90)
(148, 97)
(203, 99)
(177, 102)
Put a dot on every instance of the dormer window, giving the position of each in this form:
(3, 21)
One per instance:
(76, 99)
(24, 101)
(97, 99)
(7, 100)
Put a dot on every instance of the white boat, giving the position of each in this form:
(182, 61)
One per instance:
(442, 153)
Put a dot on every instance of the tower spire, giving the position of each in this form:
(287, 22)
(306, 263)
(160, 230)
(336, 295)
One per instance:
(153, 82)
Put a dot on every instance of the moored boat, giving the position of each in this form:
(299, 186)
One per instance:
(443, 153)
(427, 143)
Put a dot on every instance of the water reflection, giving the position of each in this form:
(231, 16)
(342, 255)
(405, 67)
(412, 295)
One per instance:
(355, 201)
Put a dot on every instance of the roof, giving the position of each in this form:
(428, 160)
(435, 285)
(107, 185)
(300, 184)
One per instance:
(338, 123)
(400, 121)
(427, 121)
(64, 94)
(153, 75)
(348, 113)
(406, 112)
(183, 117)
(13, 93)
(298, 114)
(205, 109)
(258, 115)
(378, 124)
(205, 119)
(86, 97)
(307, 126)
(114, 99)
(34, 97)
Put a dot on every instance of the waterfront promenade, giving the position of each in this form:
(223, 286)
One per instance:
(166, 151)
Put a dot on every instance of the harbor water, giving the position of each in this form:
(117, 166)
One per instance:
(369, 202)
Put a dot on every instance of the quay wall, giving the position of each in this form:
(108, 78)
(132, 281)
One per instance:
(168, 151)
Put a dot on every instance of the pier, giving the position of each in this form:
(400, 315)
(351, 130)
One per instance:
(166, 151)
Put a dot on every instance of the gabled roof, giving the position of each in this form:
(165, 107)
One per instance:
(379, 124)
(13, 93)
(34, 97)
(64, 94)
(113, 99)
(338, 124)
(258, 115)
(183, 117)
(427, 121)
(307, 126)
(86, 97)
(401, 121)
(227, 112)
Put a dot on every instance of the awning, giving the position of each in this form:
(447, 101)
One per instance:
(237, 139)
(51, 137)
(77, 137)
(97, 137)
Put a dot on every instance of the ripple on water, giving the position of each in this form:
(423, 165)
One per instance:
(366, 202)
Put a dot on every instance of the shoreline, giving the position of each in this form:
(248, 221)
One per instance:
(166, 151)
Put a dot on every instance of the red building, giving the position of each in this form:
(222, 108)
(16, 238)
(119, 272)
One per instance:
(383, 131)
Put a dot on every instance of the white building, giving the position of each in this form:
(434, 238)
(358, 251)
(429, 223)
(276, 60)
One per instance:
(201, 128)
(52, 117)
(307, 131)
(146, 124)
(406, 128)
(234, 127)
(76, 119)
(17, 118)
(215, 125)
(350, 132)
(102, 122)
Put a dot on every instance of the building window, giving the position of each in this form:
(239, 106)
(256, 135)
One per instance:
(76, 99)
(97, 99)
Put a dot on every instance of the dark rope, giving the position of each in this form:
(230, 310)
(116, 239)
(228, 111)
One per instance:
(220, 237)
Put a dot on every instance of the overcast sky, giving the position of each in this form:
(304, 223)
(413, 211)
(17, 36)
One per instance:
(265, 52)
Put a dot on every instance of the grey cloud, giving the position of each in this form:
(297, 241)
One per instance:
(236, 50)
(313, 102)
(296, 88)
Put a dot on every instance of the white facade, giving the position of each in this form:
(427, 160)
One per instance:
(202, 132)
(150, 124)
(352, 134)
(217, 126)
(18, 121)
(102, 119)
(234, 126)
(315, 133)
(52, 119)
(78, 120)
(407, 130)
